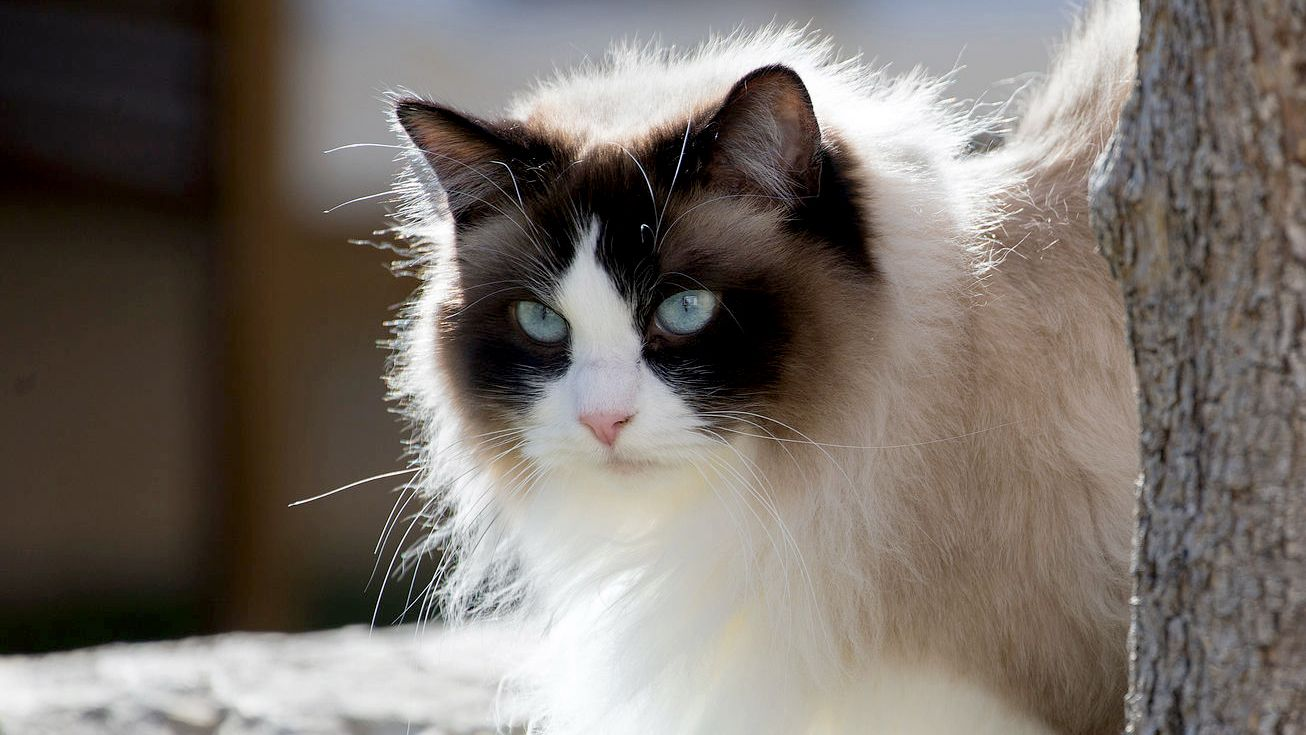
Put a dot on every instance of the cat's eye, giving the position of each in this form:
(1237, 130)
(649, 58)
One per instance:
(686, 312)
(539, 322)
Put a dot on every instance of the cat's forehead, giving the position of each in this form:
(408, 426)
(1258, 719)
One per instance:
(616, 204)
(643, 221)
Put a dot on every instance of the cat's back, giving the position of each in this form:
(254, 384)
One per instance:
(637, 88)
(642, 90)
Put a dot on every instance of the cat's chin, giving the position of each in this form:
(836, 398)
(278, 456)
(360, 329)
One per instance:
(624, 465)
(628, 467)
(632, 470)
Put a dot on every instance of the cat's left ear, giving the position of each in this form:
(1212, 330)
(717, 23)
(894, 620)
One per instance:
(764, 138)
(472, 161)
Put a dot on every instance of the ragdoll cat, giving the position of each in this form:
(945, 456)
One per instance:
(776, 406)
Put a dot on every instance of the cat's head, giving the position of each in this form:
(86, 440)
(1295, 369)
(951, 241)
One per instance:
(618, 308)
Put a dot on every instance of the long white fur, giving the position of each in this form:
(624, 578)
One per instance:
(710, 609)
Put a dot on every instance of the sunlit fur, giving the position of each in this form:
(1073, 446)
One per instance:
(941, 546)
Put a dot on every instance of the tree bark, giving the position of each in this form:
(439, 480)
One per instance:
(1200, 206)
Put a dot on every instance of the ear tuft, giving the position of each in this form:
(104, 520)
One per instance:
(472, 160)
(766, 136)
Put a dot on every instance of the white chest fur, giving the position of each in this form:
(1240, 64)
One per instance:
(742, 680)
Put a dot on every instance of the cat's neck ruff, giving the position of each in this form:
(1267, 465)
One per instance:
(720, 617)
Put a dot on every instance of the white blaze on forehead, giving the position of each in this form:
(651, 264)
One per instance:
(605, 346)
(602, 327)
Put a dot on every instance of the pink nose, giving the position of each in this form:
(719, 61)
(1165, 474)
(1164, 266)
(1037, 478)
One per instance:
(605, 426)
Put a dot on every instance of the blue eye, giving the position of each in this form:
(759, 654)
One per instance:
(687, 312)
(539, 322)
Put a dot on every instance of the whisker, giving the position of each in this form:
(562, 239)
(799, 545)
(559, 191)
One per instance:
(407, 495)
(488, 440)
(808, 439)
(347, 146)
(684, 143)
(394, 512)
(740, 529)
(356, 483)
(651, 196)
(767, 502)
(955, 437)
(355, 200)
(520, 204)
(463, 549)
(376, 610)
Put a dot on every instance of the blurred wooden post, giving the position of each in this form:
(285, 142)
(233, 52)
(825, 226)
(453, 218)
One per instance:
(257, 283)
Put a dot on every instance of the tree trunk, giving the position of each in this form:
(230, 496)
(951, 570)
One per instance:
(1200, 206)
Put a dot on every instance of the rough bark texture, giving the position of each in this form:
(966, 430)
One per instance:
(395, 681)
(1200, 204)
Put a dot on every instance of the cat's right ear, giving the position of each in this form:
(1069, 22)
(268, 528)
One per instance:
(765, 137)
(472, 162)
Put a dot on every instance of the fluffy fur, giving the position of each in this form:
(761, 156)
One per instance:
(935, 536)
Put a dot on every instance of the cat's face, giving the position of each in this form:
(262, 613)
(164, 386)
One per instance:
(625, 309)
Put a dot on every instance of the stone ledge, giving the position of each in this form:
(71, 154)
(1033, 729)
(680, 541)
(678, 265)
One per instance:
(394, 681)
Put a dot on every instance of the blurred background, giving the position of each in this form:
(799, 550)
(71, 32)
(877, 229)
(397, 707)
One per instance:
(188, 342)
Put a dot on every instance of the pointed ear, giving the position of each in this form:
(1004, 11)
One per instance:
(472, 162)
(767, 139)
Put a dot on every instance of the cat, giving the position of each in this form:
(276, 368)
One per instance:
(772, 402)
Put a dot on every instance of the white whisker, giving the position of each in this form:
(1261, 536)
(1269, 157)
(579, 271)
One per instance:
(355, 200)
(354, 484)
